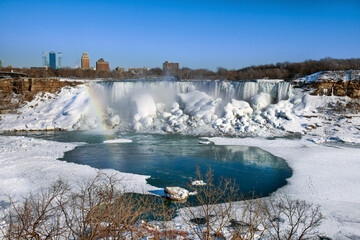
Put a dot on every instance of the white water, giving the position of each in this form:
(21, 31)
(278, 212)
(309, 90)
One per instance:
(121, 96)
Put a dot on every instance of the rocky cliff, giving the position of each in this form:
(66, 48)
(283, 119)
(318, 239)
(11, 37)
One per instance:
(339, 88)
(15, 91)
(337, 83)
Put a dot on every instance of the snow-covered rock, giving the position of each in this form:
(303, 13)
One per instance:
(176, 193)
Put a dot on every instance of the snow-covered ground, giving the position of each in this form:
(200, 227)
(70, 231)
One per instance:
(350, 75)
(28, 164)
(327, 176)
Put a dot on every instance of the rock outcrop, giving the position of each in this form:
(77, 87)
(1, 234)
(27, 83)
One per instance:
(339, 88)
(337, 83)
(329, 88)
(15, 91)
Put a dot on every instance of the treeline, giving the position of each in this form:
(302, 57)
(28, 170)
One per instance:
(284, 70)
(83, 73)
(287, 70)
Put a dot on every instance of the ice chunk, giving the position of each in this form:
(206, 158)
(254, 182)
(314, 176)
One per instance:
(119, 140)
(198, 104)
(261, 101)
(198, 183)
(237, 109)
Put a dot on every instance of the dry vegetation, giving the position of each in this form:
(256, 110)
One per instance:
(99, 209)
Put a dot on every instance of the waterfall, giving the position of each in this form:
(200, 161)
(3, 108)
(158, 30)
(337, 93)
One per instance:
(226, 90)
(206, 100)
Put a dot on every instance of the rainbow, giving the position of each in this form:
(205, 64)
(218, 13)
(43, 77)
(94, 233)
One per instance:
(97, 107)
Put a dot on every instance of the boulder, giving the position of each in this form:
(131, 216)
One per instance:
(176, 193)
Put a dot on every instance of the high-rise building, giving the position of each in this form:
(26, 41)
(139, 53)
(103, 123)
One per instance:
(52, 57)
(170, 68)
(101, 65)
(59, 60)
(1, 63)
(85, 61)
(45, 59)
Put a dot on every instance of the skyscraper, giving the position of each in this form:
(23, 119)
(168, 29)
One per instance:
(45, 59)
(52, 57)
(85, 61)
(59, 60)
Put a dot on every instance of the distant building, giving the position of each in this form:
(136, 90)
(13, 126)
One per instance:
(52, 58)
(45, 59)
(1, 63)
(101, 65)
(170, 68)
(59, 60)
(138, 70)
(85, 61)
(119, 69)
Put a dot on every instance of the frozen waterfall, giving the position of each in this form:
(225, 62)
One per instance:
(179, 105)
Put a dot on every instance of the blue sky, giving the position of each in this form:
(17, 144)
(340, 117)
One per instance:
(197, 34)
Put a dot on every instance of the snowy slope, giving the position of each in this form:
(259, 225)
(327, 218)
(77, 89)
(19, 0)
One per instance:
(350, 75)
(323, 175)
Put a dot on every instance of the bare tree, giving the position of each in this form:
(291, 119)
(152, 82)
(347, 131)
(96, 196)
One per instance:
(286, 218)
(38, 217)
(100, 208)
(215, 210)
(247, 222)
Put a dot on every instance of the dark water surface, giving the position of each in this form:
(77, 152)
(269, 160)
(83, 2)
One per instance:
(171, 159)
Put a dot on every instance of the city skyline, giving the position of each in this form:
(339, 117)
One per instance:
(198, 34)
(52, 60)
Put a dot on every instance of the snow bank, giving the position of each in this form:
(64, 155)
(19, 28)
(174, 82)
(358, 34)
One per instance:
(323, 175)
(71, 109)
(49, 111)
(349, 75)
(28, 164)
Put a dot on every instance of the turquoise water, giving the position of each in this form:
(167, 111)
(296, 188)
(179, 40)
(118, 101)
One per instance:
(171, 159)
